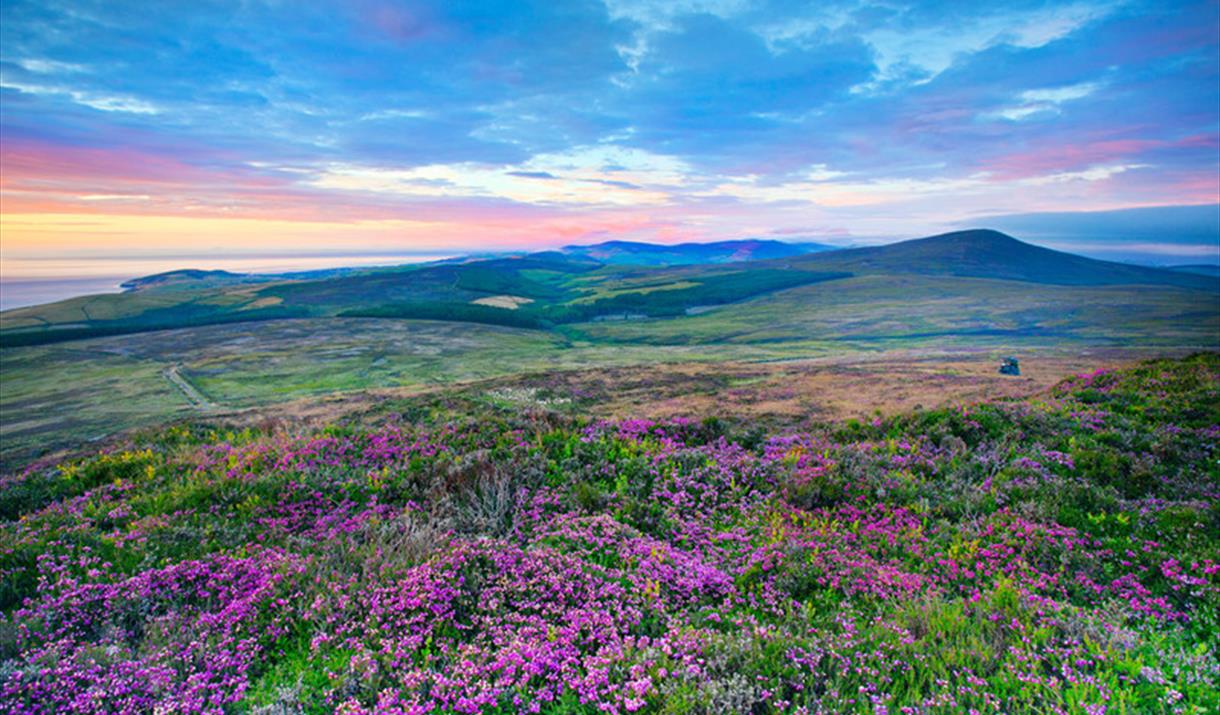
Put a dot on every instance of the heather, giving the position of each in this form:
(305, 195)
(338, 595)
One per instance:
(1059, 554)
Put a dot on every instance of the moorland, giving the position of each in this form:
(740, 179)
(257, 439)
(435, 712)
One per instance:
(489, 553)
(196, 342)
(701, 479)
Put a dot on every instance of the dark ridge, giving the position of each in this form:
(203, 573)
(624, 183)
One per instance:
(984, 253)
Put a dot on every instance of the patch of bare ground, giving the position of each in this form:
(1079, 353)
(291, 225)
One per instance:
(823, 389)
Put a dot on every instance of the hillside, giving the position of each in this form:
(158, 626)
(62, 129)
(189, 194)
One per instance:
(1052, 555)
(983, 253)
(186, 277)
(892, 310)
(83, 369)
(545, 290)
(537, 291)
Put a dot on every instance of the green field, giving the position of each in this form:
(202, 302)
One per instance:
(877, 310)
(77, 391)
(237, 343)
(71, 393)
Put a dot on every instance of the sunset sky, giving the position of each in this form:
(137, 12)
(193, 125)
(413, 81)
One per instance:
(149, 129)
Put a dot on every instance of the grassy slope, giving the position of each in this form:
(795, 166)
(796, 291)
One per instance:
(181, 305)
(250, 364)
(71, 393)
(913, 308)
(564, 289)
(245, 364)
(65, 394)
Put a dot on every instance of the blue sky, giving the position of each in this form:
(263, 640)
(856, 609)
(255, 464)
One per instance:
(370, 125)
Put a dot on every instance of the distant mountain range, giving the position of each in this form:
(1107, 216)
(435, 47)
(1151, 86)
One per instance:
(612, 280)
(981, 253)
(682, 254)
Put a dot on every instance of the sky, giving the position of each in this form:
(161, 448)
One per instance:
(209, 130)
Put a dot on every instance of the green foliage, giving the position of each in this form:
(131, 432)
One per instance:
(458, 312)
(1022, 556)
(716, 289)
(496, 279)
(185, 316)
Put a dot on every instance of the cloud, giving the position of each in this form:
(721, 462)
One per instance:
(1181, 224)
(715, 93)
(1160, 234)
(100, 102)
(582, 186)
(1093, 173)
(44, 66)
(700, 118)
(1032, 102)
(533, 174)
(921, 44)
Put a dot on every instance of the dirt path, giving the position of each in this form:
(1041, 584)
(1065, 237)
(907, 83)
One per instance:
(195, 397)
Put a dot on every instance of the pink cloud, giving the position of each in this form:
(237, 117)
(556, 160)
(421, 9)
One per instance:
(394, 22)
(1052, 159)
(33, 163)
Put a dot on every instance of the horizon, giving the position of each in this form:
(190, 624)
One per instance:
(42, 288)
(393, 128)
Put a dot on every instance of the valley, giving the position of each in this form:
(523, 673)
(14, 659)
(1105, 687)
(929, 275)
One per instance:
(88, 368)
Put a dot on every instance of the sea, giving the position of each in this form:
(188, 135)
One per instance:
(35, 281)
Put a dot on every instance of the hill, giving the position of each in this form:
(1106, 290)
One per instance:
(499, 556)
(191, 277)
(538, 290)
(629, 252)
(618, 279)
(982, 253)
(85, 368)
